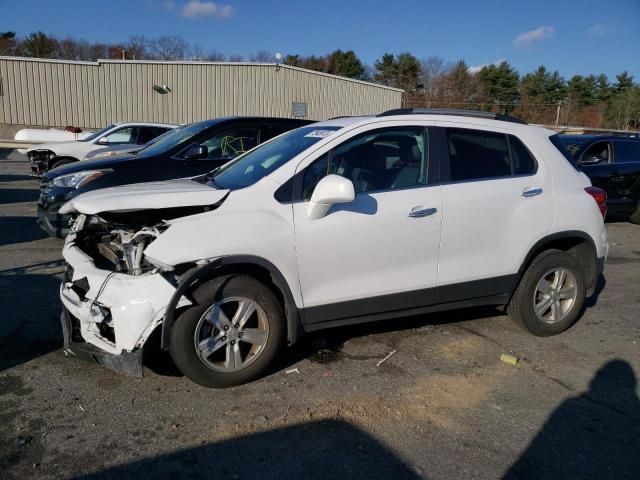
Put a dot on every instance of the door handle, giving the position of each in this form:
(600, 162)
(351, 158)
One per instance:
(531, 192)
(417, 212)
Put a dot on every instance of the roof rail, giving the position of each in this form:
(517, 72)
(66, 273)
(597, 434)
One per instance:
(452, 111)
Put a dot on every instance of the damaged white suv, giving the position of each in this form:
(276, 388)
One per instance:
(345, 221)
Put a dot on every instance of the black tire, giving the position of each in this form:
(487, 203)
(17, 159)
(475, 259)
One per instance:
(182, 344)
(521, 307)
(60, 162)
(635, 216)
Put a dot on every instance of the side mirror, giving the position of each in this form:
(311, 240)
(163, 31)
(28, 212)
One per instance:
(330, 190)
(196, 152)
(590, 160)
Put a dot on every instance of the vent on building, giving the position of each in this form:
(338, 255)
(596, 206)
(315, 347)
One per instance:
(299, 109)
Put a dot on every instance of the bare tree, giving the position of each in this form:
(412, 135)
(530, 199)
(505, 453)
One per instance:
(262, 56)
(169, 47)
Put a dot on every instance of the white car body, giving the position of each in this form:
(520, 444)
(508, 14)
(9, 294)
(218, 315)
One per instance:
(123, 133)
(430, 245)
(47, 135)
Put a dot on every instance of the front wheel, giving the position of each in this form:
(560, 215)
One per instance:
(230, 335)
(550, 295)
(635, 216)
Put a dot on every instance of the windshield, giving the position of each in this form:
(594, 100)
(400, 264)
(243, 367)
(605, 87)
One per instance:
(97, 134)
(178, 136)
(261, 161)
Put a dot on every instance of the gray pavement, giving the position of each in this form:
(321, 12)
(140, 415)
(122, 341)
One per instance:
(443, 406)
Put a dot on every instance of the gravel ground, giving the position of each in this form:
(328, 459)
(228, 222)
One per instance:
(443, 406)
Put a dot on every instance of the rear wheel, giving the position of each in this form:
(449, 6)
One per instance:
(550, 295)
(635, 216)
(232, 333)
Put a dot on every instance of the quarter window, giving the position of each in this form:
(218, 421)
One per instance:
(523, 162)
(383, 159)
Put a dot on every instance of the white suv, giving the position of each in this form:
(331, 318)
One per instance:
(345, 221)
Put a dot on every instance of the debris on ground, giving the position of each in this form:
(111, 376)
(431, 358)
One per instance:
(293, 370)
(23, 440)
(385, 358)
(329, 373)
(510, 359)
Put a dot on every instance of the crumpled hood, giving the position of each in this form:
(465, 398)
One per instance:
(145, 196)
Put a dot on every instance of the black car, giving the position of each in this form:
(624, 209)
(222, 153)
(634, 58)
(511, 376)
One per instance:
(613, 164)
(187, 151)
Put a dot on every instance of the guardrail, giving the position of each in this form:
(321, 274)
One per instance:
(10, 143)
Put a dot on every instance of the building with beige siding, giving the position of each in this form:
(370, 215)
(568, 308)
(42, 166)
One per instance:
(56, 93)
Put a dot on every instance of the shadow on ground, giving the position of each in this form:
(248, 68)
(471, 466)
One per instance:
(29, 325)
(593, 435)
(16, 178)
(19, 230)
(324, 450)
(18, 195)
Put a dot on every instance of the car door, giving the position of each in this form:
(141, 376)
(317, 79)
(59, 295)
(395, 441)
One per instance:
(625, 172)
(497, 201)
(378, 253)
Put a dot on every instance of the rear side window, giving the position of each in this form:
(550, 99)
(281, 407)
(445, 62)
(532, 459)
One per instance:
(626, 151)
(566, 149)
(475, 154)
(523, 161)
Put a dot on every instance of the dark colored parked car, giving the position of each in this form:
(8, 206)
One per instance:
(188, 151)
(613, 164)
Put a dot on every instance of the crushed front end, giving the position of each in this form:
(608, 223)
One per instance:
(112, 297)
(39, 160)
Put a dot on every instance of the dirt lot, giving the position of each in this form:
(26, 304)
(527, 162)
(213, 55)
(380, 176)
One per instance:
(443, 406)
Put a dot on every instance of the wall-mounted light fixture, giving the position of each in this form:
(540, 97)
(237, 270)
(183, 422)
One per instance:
(278, 60)
(162, 89)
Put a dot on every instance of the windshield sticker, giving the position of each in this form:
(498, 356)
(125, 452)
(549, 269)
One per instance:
(319, 133)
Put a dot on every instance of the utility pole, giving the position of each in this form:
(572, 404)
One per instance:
(123, 51)
(558, 112)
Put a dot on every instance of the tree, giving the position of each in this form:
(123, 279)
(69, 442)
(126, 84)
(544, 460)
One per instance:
(501, 85)
(7, 43)
(458, 84)
(624, 81)
(346, 64)
(262, 56)
(386, 70)
(169, 47)
(434, 69)
(402, 71)
(39, 45)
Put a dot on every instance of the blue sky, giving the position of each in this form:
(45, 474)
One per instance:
(570, 36)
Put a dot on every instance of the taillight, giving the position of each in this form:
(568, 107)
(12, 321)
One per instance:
(600, 196)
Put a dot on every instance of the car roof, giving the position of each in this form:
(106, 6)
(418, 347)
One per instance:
(144, 124)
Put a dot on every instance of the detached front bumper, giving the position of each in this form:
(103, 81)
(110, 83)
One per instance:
(108, 316)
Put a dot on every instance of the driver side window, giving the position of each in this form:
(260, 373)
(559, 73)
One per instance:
(123, 135)
(230, 143)
(383, 159)
(596, 153)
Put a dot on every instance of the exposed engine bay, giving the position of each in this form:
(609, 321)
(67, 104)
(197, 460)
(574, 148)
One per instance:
(115, 246)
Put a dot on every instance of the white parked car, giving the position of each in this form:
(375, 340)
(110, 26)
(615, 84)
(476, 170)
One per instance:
(340, 222)
(47, 156)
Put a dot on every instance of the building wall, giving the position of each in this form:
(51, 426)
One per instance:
(36, 92)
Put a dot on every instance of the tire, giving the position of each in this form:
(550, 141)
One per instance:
(191, 329)
(528, 294)
(635, 216)
(59, 163)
